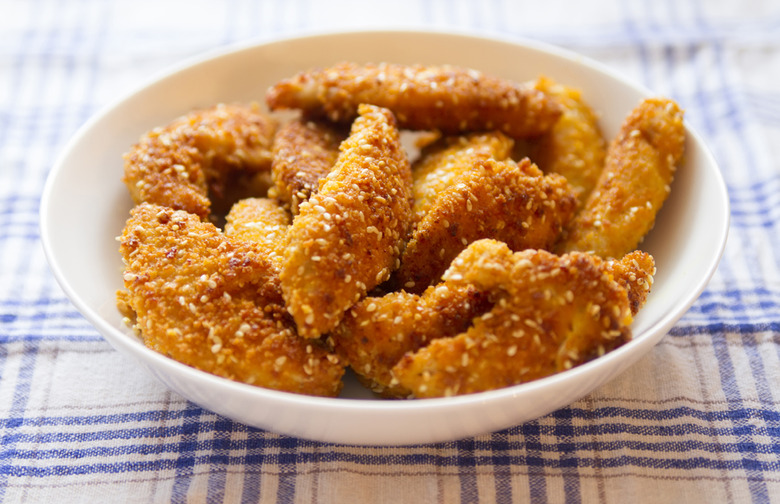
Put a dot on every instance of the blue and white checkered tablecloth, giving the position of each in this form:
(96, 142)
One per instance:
(696, 421)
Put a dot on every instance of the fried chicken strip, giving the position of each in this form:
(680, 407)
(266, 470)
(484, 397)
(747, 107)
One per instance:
(441, 163)
(193, 159)
(511, 202)
(264, 223)
(304, 153)
(378, 331)
(446, 98)
(640, 165)
(347, 237)
(574, 147)
(551, 313)
(215, 304)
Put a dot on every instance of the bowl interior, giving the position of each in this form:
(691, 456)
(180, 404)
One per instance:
(85, 205)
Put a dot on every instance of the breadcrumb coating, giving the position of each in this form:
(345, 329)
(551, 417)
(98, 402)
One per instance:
(640, 165)
(428, 281)
(507, 201)
(304, 153)
(634, 271)
(442, 162)
(347, 238)
(215, 303)
(378, 331)
(551, 313)
(193, 159)
(264, 223)
(574, 147)
(446, 98)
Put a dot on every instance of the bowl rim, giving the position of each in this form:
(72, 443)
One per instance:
(351, 405)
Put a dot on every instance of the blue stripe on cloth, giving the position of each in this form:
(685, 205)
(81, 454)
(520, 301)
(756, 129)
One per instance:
(537, 484)
(534, 464)
(254, 462)
(756, 306)
(563, 431)
(641, 439)
(751, 466)
(186, 450)
(655, 435)
(467, 476)
(16, 411)
(730, 383)
(288, 460)
(499, 446)
(219, 459)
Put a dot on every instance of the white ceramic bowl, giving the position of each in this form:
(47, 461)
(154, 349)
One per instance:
(85, 205)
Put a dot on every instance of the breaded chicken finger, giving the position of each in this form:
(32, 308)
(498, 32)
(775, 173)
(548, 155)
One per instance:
(551, 313)
(446, 98)
(195, 158)
(215, 304)
(574, 147)
(304, 153)
(511, 202)
(378, 331)
(442, 162)
(347, 238)
(636, 180)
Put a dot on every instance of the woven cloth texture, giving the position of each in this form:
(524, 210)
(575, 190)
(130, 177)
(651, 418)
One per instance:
(697, 420)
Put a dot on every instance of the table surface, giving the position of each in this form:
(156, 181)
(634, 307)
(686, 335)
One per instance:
(696, 420)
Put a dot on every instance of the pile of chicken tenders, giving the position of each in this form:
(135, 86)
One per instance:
(281, 248)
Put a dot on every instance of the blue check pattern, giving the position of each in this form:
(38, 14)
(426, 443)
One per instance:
(696, 421)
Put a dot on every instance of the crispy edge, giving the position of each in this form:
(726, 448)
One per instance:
(635, 272)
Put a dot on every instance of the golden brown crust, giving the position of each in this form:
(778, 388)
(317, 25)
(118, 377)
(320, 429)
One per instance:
(640, 166)
(195, 157)
(260, 221)
(447, 98)
(634, 271)
(269, 300)
(550, 313)
(215, 304)
(346, 239)
(574, 147)
(506, 201)
(304, 153)
(442, 162)
(377, 332)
